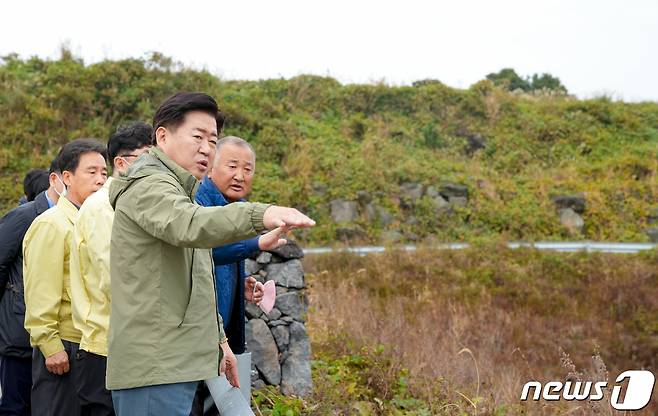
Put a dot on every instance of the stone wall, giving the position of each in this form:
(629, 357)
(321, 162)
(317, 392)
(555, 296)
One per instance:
(279, 343)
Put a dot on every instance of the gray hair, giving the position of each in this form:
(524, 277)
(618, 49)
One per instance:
(235, 140)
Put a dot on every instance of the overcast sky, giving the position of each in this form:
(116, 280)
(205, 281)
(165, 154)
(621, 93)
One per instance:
(594, 46)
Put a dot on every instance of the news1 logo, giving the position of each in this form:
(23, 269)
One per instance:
(638, 392)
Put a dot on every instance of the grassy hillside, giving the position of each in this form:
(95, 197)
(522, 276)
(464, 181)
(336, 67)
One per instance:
(318, 141)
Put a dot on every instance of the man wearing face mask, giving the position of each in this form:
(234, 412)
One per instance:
(15, 349)
(90, 272)
(46, 253)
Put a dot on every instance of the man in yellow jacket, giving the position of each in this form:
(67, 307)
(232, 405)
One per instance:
(90, 272)
(46, 253)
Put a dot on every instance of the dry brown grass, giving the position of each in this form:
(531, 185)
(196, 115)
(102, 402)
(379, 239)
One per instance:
(473, 326)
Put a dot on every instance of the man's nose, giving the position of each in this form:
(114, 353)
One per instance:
(204, 148)
(239, 175)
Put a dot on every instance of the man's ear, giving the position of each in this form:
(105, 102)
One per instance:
(118, 163)
(66, 178)
(52, 178)
(161, 136)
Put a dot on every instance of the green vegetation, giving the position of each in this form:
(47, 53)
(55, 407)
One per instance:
(460, 332)
(318, 140)
(508, 78)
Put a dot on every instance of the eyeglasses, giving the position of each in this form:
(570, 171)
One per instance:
(129, 155)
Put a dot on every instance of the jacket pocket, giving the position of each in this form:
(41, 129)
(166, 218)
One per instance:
(189, 297)
(17, 303)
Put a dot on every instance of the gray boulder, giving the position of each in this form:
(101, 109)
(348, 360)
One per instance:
(475, 142)
(370, 211)
(458, 201)
(451, 190)
(289, 251)
(261, 276)
(363, 197)
(274, 314)
(391, 236)
(281, 336)
(343, 211)
(440, 204)
(411, 190)
(432, 192)
(252, 311)
(258, 384)
(571, 221)
(251, 267)
(576, 203)
(264, 257)
(265, 354)
(288, 274)
(385, 217)
(296, 369)
(292, 304)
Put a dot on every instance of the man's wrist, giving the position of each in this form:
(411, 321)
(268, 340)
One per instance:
(257, 216)
(51, 347)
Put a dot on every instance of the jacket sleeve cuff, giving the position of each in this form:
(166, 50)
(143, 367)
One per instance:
(51, 347)
(257, 216)
(222, 335)
(251, 246)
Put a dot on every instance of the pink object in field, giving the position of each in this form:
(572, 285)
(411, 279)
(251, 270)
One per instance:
(267, 303)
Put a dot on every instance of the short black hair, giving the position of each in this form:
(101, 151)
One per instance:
(35, 182)
(54, 165)
(172, 112)
(128, 137)
(69, 157)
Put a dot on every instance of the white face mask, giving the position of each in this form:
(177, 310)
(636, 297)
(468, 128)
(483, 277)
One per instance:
(63, 194)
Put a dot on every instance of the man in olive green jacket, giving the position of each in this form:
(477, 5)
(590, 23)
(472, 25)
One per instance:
(165, 332)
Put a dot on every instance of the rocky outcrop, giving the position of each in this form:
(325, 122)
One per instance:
(576, 202)
(570, 220)
(445, 198)
(343, 211)
(279, 342)
(570, 209)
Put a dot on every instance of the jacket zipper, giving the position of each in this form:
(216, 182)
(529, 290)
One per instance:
(214, 286)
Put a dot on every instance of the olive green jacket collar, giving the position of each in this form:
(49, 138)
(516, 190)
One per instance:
(187, 180)
(152, 162)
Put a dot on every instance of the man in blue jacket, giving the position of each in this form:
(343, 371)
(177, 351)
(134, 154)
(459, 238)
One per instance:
(229, 180)
(15, 349)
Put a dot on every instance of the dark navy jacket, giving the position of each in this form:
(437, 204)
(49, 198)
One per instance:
(229, 272)
(14, 339)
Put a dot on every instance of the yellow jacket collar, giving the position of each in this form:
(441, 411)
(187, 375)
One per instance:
(68, 208)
